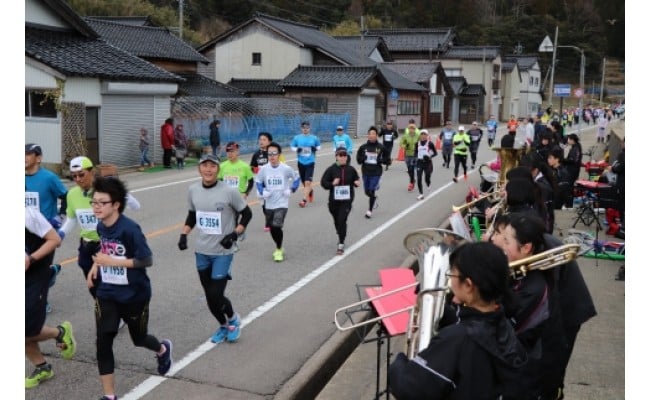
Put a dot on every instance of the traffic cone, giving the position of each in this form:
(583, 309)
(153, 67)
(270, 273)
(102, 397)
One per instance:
(400, 154)
(438, 143)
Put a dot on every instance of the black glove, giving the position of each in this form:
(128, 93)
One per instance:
(228, 240)
(182, 242)
(299, 150)
(313, 149)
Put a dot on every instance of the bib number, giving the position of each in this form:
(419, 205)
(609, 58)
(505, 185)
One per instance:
(31, 200)
(87, 219)
(388, 137)
(339, 145)
(209, 222)
(342, 192)
(422, 151)
(232, 181)
(306, 151)
(275, 183)
(114, 275)
(371, 158)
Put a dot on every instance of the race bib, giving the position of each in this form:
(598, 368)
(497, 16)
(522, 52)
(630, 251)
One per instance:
(340, 145)
(388, 137)
(475, 138)
(86, 219)
(275, 183)
(371, 158)
(306, 151)
(422, 151)
(31, 200)
(342, 192)
(113, 274)
(209, 222)
(232, 181)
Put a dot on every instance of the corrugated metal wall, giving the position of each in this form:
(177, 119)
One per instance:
(366, 117)
(341, 105)
(122, 117)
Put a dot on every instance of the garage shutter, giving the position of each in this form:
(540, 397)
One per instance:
(366, 114)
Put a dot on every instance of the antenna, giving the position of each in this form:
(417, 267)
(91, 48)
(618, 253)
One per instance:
(180, 19)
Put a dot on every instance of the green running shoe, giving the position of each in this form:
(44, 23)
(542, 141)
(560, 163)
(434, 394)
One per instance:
(66, 343)
(40, 374)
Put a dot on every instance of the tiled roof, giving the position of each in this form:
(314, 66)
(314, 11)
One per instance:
(473, 52)
(329, 77)
(75, 55)
(202, 86)
(508, 66)
(305, 35)
(146, 41)
(257, 85)
(524, 62)
(398, 81)
(418, 40)
(127, 20)
(415, 72)
(367, 44)
(472, 89)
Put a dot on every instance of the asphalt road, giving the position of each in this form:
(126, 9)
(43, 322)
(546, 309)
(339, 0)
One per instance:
(287, 307)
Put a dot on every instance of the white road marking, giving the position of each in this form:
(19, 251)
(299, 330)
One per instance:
(152, 382)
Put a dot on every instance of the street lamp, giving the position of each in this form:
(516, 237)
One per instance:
(548, 46)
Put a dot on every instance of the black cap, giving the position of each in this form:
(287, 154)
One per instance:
(304, 123)
(33, 148)
(209, 157)
(341, 151)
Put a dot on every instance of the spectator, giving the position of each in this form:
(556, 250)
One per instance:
(167, 141)
(215, 137)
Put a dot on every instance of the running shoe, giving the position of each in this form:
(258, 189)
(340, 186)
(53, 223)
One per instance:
(165, 359)
(311, 196)
(420, 197)
(278, 255)
(48, 308)
(302, 203)
(234, 331)
(107, 398)
(56, 269)
(122, 324)
(454, 179)
(267, 229)
(236, 321)
(220, 335)
(368, 214)
(40, 374)
(340, 249)
(65, 341)
(465, 176)
(410, 187)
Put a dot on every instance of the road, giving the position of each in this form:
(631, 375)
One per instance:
(286, 307)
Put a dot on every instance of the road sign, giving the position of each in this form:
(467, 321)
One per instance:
(562, 90)
(578, 92)
(546, 46)
(394, 95)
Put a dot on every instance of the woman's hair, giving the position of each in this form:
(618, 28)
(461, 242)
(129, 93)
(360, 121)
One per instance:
(521, 191)
(573, 137)
(528, 228)
(520, 172)
(486, 265)
(558, 153)
(112, 186)
(533, 160)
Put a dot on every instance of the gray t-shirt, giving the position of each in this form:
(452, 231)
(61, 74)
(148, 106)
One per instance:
(216, 210)
(277, 180)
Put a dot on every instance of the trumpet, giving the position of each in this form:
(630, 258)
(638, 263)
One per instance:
(545, 260)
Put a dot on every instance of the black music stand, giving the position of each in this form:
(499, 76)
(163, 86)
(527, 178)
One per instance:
(587, 212)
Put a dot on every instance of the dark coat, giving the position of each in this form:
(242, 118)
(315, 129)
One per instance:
(377, 148)
(347, 175)
(474, 358)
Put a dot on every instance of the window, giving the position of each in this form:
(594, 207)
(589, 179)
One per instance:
(436, 103)
(37, 104)
(536, 82)
(531, 81)
(453, 71)
(408, 107)
(314, 104)
(257, 58)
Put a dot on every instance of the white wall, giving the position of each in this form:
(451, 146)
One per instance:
(233, 56)
(83, 90)
(37, 12)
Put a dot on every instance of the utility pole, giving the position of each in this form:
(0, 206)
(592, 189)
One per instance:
(550, 89)
(602, 81)
(180, 19)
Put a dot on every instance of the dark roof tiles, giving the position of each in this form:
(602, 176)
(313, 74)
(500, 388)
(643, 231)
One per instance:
(473, 52)
(259, 86)
(202, 86)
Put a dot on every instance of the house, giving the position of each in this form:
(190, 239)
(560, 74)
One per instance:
(530, 80)
(373, 47)
(84, 95)
(416, 44)
(365, 93)
(438, 99)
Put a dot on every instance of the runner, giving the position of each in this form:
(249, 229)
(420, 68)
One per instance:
(261, 158)
(491, 130)
(409, 143)
(40, 241)
(371, 155)
(461, 146)
(120, 279)
(275, 182)
(213, 208)
(236, 173)
(43, 189)
(306, 145)
(342, 139)
(447, 138)
(389, 135)
(426, 150)
(340, 179)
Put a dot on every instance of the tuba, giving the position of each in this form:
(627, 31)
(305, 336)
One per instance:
(510, 158)
(433, 247)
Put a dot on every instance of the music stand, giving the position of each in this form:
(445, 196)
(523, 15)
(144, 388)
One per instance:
(587, 212)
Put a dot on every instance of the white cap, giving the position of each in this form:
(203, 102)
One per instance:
(461, 128)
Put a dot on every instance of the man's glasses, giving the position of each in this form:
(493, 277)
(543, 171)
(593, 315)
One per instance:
(273, 153)
(450, 275)
(79, 175)
(97, 203)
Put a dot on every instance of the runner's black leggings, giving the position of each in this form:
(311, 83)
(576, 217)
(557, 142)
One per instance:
(277, 235)
(340, 211)
(426, 170)
(218, 304)
(107, 318)
(460, 159)
(410, 168)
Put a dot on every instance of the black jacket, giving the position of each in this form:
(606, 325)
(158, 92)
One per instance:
(215, 137)
(392, 133)
(347, 174)
(573, 161)
(472, 359)
(475, 136)
(371, 155)
(619, 169)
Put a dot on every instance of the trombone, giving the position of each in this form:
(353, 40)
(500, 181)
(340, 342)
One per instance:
(476, 200)
(545, 260)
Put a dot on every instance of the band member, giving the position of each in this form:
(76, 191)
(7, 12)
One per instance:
(478, 354)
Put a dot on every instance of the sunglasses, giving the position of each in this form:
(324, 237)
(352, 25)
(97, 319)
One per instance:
(273, 153)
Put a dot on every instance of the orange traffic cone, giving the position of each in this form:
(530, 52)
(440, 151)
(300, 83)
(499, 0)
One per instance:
(400, 154)
(438, 143)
